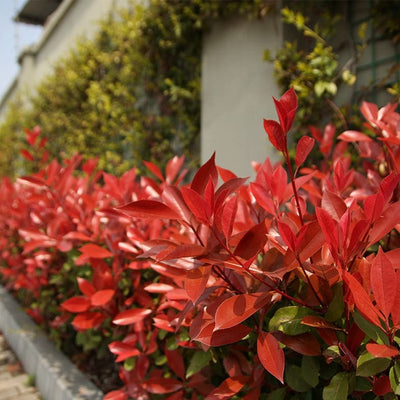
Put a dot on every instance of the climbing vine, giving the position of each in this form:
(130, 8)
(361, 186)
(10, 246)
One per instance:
(130, 94)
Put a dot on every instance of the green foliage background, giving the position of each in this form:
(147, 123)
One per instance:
(130, 94)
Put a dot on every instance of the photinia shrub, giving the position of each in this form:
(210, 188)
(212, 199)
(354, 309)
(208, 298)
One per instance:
(285, 287)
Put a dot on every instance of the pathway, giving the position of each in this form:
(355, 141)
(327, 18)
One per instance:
(15, 384)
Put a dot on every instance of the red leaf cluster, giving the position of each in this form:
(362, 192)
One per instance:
(212, 288)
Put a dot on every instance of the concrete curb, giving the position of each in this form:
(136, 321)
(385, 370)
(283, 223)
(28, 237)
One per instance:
(56, 377)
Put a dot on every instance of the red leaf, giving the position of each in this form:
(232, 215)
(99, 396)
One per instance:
(26, 154)
(304, 146)
(333, 204)
(173, 199)
(76, 304)
(158, 288)
(162, 385)
(373, 206)
(271, 355)
(102, 297)
(304, 343)
(221, 337)
(369, 111)
(85, 287)
(88, 320)
(94, 251)
(116, 395)
(354, 136)
(286, 108)
(275, 134)
(173, 167)
(328, 226)
(262, 197)
(252, 242)
(76, 236)
(205, 172)
(383, 282)
(396, 303)
(226, 174)
(227, 388)
(287, 235)
(154, 169)
(382, 350)
(131, 316)
(362, 300)
(383, 225)
(238, 308)
(197, 205)
(175, 362)
(228, 216)
(196, 281)
(148, 209)
(123, 350)
(382, 385)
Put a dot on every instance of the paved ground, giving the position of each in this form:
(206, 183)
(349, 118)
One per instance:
(15, 384)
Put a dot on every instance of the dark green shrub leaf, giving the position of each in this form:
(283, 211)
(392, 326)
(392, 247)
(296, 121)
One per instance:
(368, 365)
(288, 320)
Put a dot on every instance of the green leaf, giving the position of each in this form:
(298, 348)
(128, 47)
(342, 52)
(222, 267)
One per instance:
(130, 363)
(338, 387)
(319, 88)
(199, 360)
(288, 320)
(348, 77)
(310, 370)
(363, 384)
(369, 365)
(293, 377)
(394, 375)
(371, 330)
(278, 394)
(336, 308)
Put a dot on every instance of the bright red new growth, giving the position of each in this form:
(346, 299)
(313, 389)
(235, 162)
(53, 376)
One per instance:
(218, 287)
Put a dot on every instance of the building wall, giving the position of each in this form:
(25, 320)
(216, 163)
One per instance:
(72, 20)
(237, 90)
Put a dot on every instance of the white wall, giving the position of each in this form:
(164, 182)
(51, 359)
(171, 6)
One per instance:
(237, 90)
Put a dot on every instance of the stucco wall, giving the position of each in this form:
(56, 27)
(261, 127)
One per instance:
(237, 90)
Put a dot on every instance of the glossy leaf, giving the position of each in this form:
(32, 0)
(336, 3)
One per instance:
(304, 343)
(286, 108)
(369, 365)
(76, 304)
(252, 242)
(271, 355)
(148, 209)
(362, 300)
(161, 385)
(275, 134)
(228, 388)
(132, 316)
(237, 309)
(338, 387)
(95, 251)
(303, 149)
(354, 136)
(289, 320)
(102, 297)
(198, 361)
(384, 284)
(205, 172)
(382, 350)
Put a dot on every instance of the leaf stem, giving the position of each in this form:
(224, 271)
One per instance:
(296, 196)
